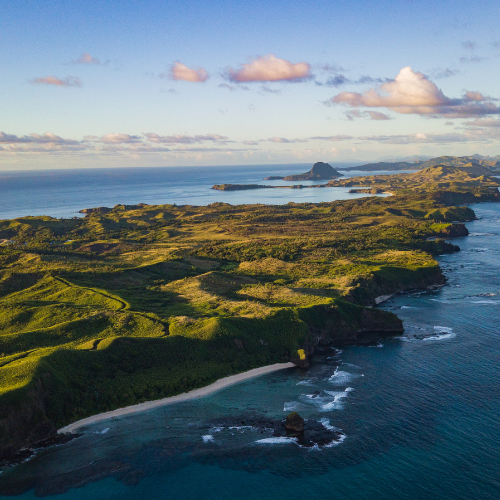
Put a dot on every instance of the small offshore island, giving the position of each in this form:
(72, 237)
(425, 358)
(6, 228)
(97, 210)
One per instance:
(137, 303)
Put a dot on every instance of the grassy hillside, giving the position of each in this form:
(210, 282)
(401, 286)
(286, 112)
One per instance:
(463, 178)
(141, 302)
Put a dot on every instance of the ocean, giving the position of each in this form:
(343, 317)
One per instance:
(62, 193)
(419, 414)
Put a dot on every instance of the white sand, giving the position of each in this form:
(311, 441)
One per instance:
(382, 298)
(196, 393)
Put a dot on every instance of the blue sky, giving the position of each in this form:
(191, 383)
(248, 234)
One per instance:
(108, 84)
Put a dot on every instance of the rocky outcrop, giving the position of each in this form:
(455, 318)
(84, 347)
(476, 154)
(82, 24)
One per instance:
(238, 187)
(312, 433)
(294, 423)
(96, 210)
(347, 324)
(319, 171)
(23, 426)
(454, 230)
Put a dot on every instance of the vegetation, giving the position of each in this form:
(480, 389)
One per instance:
(140, 302)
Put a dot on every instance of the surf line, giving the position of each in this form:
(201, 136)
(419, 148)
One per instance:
(185, 396)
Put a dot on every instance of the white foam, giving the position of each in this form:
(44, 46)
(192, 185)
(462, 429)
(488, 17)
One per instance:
(336, 442)
(305, 382)
(327, 425)
(277, 440)
(485, 302)
(341, 377)
(208, 439)
(241, 427)
(408, 307)
(103, 431)
(443, 329)
(444, 332)
(336, 404)
(441, 337)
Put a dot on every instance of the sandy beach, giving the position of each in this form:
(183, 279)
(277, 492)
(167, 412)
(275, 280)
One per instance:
(185, 396)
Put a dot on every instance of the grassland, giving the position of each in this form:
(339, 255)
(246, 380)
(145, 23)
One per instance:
(142, 302)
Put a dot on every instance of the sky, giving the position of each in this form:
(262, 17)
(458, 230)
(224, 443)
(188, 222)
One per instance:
(160, 83)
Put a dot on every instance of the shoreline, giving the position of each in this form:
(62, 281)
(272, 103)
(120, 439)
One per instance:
(219, 384)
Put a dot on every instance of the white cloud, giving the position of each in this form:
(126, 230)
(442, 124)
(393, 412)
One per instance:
(413, 93)
(282, 140)
(334, 138)
(184, 139)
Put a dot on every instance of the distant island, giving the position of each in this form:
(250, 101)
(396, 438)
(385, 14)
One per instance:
(320, 171)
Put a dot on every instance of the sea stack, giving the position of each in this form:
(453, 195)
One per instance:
(294, 423)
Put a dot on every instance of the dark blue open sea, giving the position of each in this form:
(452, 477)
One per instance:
(420, 413)
(61, 193)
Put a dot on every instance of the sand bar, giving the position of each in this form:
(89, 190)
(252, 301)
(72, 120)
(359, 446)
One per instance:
(185, 396)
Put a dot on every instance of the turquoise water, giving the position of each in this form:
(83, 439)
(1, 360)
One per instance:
(62, 193)
(420, 415)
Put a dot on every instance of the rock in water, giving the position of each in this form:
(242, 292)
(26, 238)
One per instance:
(319, 171)
(294, 423)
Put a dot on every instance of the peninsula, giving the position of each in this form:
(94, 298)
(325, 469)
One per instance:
(138, 303)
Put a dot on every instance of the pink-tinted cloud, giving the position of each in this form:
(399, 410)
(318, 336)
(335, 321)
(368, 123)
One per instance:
(270, 69)
(69, 81)
(86, 58)
(473, 135)
(282, 140)
(184, 139)
(180, 71)
(116, 138)
(485, 122)
(413, 93)
(376, 115)
(333, 138)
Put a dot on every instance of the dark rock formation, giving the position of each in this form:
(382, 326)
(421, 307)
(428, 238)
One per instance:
(238, 187)
(294, 423)
(319, 171)
(97, 210)
(313, 433)
(453, 230)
